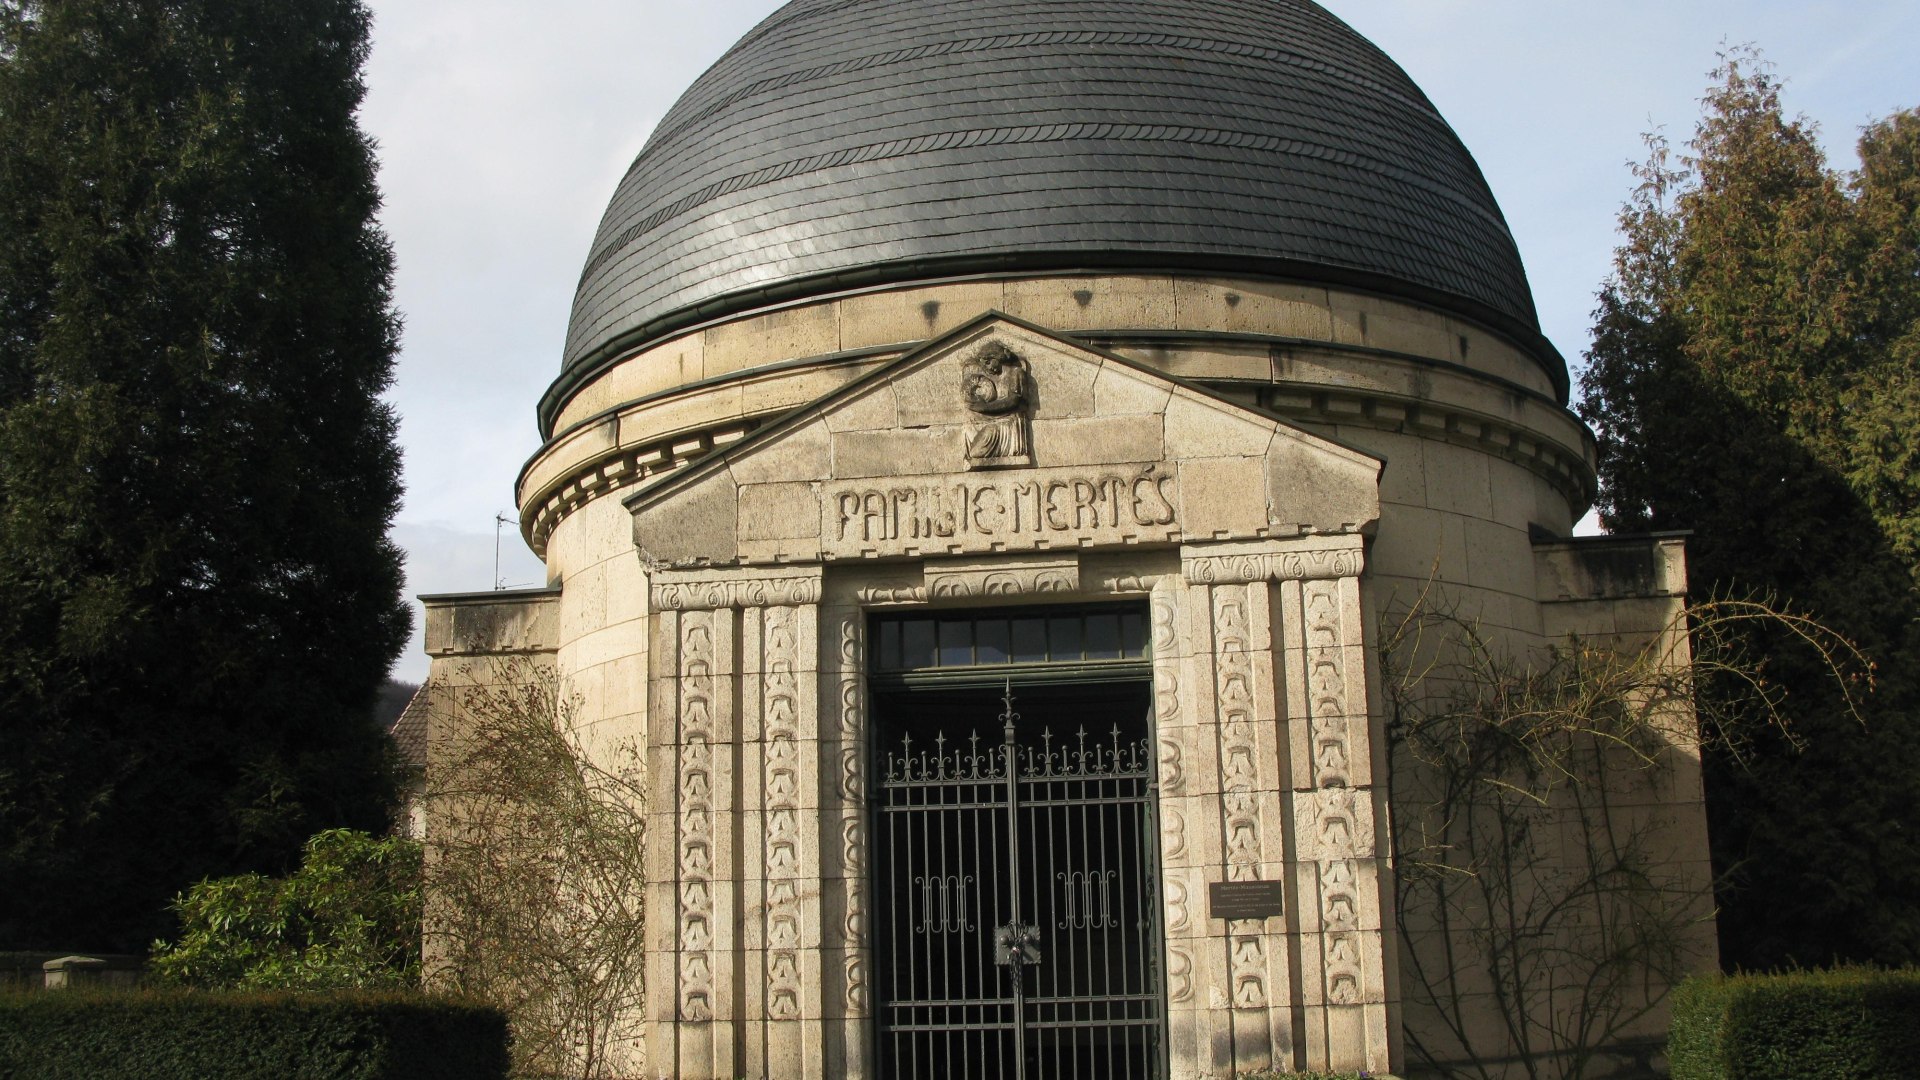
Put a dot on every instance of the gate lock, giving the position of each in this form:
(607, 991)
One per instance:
(1016, 945)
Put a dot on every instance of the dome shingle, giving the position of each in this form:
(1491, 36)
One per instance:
(857, 142)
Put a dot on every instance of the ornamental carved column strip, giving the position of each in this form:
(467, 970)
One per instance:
(846, 998)
(706, 912)
(750, 879)
(663, 845)
(735, 682)
(1251, 752)
(1199, 1043)
(1339, 917)
(1222, 813)
(787, 981)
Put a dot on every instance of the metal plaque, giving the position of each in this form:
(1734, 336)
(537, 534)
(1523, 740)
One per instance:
(1246, 899)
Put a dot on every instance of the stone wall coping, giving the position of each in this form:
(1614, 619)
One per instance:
(1610, 568)
(546, 593)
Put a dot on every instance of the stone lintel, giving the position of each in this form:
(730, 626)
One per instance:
(702, 590)
(1310, 558)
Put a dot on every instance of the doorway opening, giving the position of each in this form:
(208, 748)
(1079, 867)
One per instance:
(1016, 846)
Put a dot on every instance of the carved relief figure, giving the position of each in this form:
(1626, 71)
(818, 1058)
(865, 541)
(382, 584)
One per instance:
(995, 384)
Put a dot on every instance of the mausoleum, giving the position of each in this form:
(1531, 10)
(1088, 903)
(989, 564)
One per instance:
(989, 436)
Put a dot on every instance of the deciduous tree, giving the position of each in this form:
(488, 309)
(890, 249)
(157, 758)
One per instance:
(1752, 378)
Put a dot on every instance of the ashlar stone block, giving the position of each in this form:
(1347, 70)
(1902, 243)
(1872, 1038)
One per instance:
(800, 453)
(1099, 302)
(780, 511)
(913, 315)
(1223, 497)
(858, 454)
(1099, 440)
(1121, 390)
(701, 525)
(1257, 307)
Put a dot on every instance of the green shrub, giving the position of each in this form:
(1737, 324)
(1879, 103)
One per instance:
(1847, 1024)
(347, 919)
(195, 1035)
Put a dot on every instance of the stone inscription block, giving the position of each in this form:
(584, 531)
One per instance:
(1015, 510)
(1246, 899)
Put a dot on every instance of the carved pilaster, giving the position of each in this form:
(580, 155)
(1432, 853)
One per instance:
(1238, 743)
(703, 796)
(1198, 1029)
(1247, 744)
(853, 825)
(735, 665)
(780, 776)
(1163, 613)
(1333, 804)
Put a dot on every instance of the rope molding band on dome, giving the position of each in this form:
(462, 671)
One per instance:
(1022, 41)
(1025, 134)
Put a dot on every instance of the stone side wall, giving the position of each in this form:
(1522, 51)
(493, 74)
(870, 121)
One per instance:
(476, 640)
(1631, 592)
(1623, 592)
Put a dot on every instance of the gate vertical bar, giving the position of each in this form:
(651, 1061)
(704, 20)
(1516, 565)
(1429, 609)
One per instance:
(1016, 968)
(1156, 949)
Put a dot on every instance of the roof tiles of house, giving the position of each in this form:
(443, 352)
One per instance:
(844, 143)
(409, 730)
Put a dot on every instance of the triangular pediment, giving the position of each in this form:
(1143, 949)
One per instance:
(1003, 436)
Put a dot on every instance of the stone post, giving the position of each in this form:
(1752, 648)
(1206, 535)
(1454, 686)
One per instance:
(70, 972)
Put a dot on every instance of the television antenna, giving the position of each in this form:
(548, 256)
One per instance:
(499, 521)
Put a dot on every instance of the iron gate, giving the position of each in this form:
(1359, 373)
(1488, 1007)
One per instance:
(1016, 869)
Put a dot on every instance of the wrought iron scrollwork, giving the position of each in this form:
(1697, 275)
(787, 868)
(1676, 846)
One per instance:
(943, 902)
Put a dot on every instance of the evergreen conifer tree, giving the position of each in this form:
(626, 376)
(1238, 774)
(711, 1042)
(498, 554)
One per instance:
(198, 599)
(1752, 378)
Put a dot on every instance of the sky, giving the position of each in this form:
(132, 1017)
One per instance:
(504, 126)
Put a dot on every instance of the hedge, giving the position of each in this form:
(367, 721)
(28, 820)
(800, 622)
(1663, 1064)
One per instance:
(1846, 1024)
(197, 1035)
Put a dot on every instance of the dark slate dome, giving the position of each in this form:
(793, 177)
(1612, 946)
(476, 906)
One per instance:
(855, 142)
